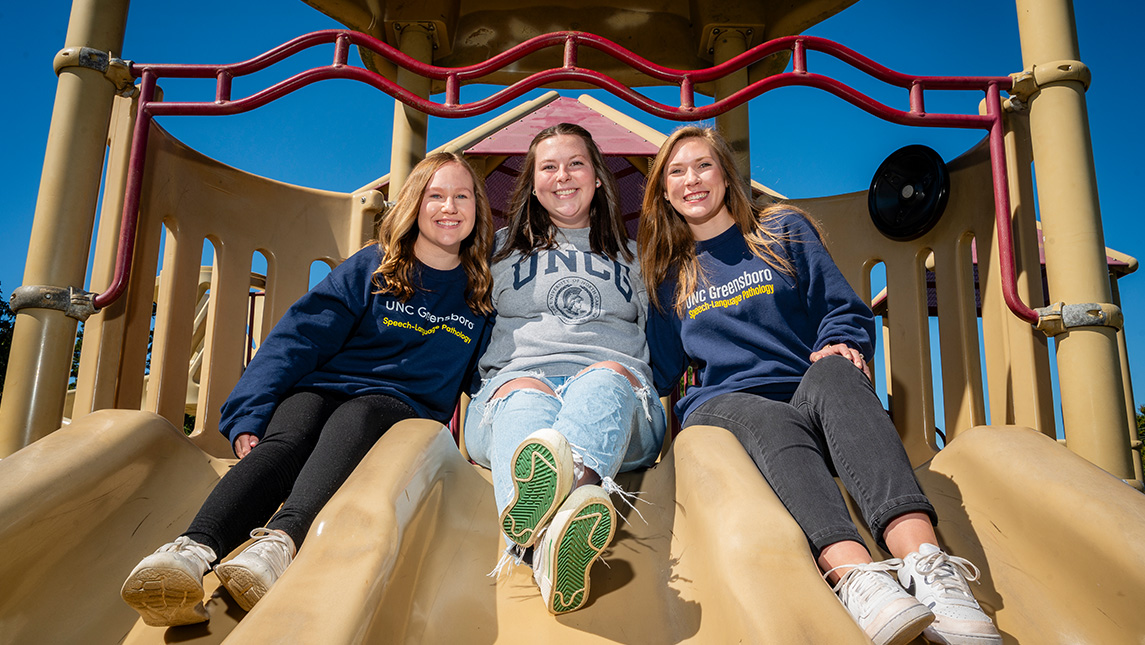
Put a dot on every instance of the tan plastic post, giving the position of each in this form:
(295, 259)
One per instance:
(43, 339)
(1092, 391)
(1130, 406)
(734, 124)
(410, 125)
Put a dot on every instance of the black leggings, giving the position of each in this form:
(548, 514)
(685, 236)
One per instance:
(312, 444)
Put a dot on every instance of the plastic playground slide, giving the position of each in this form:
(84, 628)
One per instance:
(401, 552)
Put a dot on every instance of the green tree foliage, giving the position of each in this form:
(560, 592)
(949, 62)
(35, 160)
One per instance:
(1141, 430)
(76, 357)
(7, 321)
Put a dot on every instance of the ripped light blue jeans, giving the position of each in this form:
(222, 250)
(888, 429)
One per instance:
(613, 427)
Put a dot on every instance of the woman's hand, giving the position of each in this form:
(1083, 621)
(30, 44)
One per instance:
(244, 443)
(846, 352)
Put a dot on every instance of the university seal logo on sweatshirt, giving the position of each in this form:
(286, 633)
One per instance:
(574, 300)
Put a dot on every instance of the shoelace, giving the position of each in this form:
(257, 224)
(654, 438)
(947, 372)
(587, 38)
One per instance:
(273, 548)
(513, 555)
(610, 486)
(852, 587)
(187, 546)
(942, 571)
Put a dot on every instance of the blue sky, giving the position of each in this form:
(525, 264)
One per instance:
(335, 135)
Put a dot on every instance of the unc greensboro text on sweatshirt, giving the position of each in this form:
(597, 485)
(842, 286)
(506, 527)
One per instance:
(751, 327)
(560, 310)
(344, 338)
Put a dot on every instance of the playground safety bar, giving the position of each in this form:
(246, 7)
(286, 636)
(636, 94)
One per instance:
(571, 42)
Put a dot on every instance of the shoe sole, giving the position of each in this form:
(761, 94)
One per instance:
(244, 585)
(581, 541)
(165, 597)
(536, 492)
(905, 627)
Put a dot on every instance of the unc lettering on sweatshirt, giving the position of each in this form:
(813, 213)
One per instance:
(574, 297)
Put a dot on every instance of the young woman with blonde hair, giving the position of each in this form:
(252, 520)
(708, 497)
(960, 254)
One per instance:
(780, 340)
(392, 333)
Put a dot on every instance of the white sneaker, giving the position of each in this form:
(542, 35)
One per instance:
(542, 478)
(582, 528)
(887, 613)
(938, 581)
(250, 574)
(166, 587)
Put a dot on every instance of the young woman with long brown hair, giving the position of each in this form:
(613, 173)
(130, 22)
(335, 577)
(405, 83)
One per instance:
(566, 403)
(780, 340)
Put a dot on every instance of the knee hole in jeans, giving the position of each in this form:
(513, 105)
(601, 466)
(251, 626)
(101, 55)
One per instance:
(523, 383)
(615, 367)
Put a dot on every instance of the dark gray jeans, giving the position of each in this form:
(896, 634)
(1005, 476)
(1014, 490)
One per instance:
(834, 424)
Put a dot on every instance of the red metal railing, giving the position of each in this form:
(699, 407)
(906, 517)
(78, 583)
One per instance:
(571, 42)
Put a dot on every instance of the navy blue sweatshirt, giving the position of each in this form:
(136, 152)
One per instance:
(751, 327)
(341, 337)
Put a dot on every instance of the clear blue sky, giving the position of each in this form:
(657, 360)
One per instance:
(335, 135)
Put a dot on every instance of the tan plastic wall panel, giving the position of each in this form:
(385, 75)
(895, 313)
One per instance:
(1060, 542)
(401, 552)
(103, 334)
(197, 199)
(201, 199)
(79, 509)
(1016, 376)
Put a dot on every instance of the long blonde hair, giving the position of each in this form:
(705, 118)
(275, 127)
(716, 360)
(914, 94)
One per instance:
(664, 240)
(399, 231)
(530, 228)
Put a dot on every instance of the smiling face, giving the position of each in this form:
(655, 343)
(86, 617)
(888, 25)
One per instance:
(695, 185)
(564, 180)
(446, 217)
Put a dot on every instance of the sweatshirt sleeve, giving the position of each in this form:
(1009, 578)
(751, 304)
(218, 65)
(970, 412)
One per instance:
(665, 348)
(311, 332)
(473, 373)
(843, 317)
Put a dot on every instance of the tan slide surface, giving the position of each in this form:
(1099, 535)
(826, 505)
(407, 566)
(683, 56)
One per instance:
(401, 552)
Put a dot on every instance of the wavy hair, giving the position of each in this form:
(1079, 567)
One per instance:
(398, 232)
(664, 240)
(530, 228)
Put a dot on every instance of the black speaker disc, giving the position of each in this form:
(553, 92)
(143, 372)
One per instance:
(909, 192)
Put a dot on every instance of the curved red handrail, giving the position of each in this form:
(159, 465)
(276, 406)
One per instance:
(571, 42)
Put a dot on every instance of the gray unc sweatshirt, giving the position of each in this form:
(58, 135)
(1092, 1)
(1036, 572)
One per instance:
(561, 310)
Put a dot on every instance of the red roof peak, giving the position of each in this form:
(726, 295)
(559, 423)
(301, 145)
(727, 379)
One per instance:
(610, 137)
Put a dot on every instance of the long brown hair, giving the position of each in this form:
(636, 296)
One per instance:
(399, 231)
(530, 228)
(665, 241)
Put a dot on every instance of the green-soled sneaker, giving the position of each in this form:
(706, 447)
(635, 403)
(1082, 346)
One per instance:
(582, 528)
(542, 479)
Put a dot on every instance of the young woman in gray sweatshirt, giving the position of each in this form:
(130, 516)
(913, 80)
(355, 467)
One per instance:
(566, 401)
